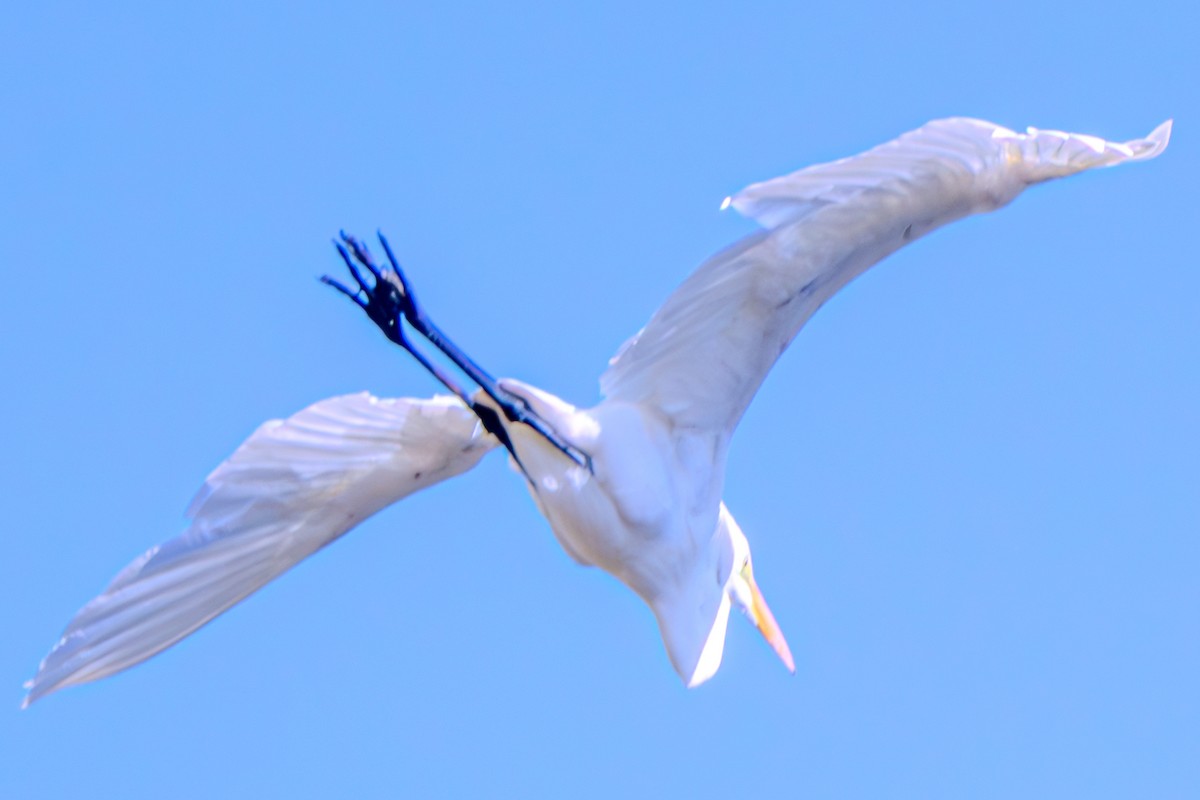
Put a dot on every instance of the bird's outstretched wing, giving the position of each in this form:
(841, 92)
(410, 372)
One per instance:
(705, 352)
(293, 487)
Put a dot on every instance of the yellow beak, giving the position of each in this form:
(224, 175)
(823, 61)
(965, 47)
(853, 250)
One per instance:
(764, 620)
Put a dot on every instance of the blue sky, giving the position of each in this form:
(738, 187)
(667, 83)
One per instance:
(971, 484)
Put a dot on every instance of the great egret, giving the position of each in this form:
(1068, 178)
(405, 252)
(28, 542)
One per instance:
(632, 485)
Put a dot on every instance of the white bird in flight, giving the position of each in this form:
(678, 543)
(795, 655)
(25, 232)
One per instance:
(632, 485)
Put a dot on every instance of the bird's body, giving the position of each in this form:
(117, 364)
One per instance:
(648, 512)
(632, 485)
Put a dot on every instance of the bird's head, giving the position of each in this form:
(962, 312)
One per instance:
(693, 623)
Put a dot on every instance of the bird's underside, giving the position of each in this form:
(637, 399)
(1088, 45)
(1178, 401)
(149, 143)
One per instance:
(673, 396)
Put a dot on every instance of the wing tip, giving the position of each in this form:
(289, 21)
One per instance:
(1154, 143)
(34, 691)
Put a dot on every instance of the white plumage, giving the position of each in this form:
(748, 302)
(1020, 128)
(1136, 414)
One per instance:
(649, 511)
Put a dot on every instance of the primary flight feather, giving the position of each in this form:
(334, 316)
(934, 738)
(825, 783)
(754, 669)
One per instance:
(632, 485)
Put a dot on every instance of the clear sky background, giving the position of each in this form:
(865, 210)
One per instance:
(971, 484)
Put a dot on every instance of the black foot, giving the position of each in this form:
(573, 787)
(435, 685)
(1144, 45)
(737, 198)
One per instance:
(388, 298)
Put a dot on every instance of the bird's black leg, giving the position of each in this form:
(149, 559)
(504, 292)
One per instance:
(383, 304)
(391, 300)
(515, 408)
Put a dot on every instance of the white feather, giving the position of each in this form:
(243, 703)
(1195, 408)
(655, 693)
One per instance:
(293, 487)
(703, 355)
